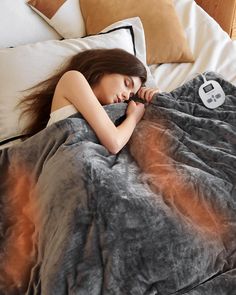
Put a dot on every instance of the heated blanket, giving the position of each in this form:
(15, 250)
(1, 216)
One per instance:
(157, 218)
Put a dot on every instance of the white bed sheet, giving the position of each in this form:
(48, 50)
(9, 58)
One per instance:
(212, 48)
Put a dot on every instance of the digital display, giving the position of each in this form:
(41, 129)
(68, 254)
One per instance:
(208, 88)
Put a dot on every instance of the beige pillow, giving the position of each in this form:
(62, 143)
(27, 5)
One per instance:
(165, 37)
(63, 15)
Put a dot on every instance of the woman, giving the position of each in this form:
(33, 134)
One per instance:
(91, 79)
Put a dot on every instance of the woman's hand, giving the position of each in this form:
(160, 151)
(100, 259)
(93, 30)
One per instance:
(135, 109)
(147, 93)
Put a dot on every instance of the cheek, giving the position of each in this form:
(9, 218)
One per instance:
(106, 93)
(112, 89)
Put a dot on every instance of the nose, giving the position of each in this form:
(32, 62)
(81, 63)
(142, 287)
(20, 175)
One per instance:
(126, 95)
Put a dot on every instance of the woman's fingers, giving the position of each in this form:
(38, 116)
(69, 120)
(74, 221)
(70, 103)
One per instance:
(147, 93)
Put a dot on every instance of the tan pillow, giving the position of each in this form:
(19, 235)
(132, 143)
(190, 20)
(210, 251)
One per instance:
(165, 37)
(46, 7)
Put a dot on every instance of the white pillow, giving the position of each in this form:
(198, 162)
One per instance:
(24, 66)
(66, 19)
(21, 25)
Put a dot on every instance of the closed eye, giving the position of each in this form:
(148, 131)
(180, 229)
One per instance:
(127, 82)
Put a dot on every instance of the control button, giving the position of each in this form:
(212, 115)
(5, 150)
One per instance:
(218, 95)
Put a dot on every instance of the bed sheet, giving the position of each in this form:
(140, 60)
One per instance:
(212, 48)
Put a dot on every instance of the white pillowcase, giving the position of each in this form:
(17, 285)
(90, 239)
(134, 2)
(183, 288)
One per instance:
(67, 21)
(21, 25)
(24, 66)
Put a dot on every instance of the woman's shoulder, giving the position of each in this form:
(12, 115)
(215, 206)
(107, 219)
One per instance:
(67, 87)
(71, 75)
(72, 80)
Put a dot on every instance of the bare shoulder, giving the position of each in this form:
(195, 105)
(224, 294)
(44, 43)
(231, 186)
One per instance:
(69, 82)
(70, 78)
(72, 74)
(73, 86)
(75, 89)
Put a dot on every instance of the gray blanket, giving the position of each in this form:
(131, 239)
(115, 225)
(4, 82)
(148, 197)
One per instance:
(157, 218)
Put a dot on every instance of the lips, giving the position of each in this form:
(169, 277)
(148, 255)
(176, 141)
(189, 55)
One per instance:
(118, 99)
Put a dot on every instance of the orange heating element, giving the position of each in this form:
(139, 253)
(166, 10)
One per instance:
(179, 191)
(20, 241)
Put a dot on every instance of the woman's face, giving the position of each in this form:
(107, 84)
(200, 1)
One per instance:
(115, 88)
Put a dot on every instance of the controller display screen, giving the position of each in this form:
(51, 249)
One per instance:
(208, 88)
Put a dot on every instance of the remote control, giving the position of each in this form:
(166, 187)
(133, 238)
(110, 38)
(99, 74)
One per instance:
(211, 94)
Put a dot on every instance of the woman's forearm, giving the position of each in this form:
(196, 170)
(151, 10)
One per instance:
(124, 132)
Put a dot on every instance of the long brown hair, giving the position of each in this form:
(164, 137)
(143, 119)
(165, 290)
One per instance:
(93, 64)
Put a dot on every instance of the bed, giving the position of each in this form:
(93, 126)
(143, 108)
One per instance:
(157, 218)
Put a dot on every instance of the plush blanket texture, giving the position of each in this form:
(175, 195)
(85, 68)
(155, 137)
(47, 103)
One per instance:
(157, 218)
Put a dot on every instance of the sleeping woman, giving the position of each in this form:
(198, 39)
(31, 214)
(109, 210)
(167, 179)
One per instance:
(91, 79)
